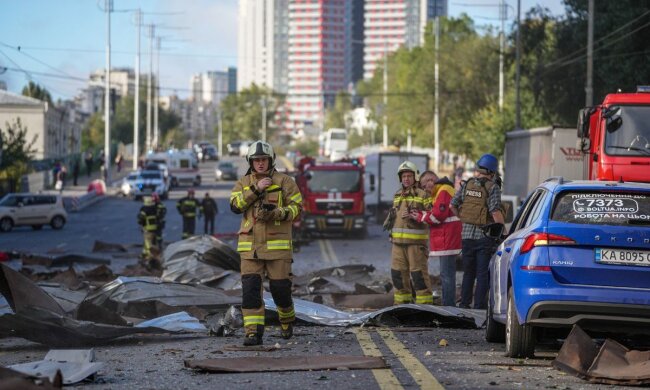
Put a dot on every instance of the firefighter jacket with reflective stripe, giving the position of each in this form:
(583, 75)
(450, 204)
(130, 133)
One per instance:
(188, 206)
(474, 209)
(445, 227)
(269, 239)
(406, 230)
(148, 218)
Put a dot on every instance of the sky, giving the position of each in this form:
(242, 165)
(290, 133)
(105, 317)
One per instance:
(58, 43)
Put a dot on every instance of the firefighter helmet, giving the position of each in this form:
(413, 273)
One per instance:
(488, 162)
(408, 166)
(260, 149)
(155, 197)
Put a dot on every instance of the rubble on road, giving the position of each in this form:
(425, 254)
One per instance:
(73, 365)
(64, 260)
(346, 279)
(611, 363)
(11, 379)
(287, 363)
(101, 246)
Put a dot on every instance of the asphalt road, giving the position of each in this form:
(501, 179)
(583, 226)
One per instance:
(426, 357)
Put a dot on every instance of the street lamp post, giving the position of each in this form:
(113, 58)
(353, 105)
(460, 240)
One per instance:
(136, 104)
(107, 95)
(264, 118)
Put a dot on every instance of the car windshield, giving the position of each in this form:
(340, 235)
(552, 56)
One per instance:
(151, 175)
(9, 201)
(632, 138)
(603, 208)
(338, 135)
(333, 181)
(225, 165)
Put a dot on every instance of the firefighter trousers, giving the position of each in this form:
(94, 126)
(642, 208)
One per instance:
(252, 275)
(410, 273)
(189, 225)
(149, 243)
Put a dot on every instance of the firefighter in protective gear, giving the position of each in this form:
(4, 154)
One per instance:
(269, 201)
(478, 203)
(162, 212)
(148, 220)
(410, 252)
(188, 207)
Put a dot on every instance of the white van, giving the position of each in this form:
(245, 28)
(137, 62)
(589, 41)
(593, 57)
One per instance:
(183, 166)
(334, 140)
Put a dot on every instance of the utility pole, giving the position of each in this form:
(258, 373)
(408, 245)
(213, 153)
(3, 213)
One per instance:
(436, 109)
(589, 89)
(156, 93)
(136, 104)
(385, 93)
(409, 143)
(220, 135)
(502, 47)
(151, 33)
(108, 4)
(264, 118)
(518, 69)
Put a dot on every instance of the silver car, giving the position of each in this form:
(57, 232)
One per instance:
(35, 210)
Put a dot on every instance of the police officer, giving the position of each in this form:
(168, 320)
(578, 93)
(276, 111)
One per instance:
(148, 220)
(478, 203)
(409, 269)
(162, 212)
(269, 201)
(188, 206)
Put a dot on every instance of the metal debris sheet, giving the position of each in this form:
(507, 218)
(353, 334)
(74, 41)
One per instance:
(286, 363)
(74, 365)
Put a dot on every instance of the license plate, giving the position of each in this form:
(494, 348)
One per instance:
(335, 221)
(622, 256)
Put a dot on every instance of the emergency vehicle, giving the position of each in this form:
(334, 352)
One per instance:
(183, 166)
(332, 194)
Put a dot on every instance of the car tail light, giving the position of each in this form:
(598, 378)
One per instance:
(544, 239)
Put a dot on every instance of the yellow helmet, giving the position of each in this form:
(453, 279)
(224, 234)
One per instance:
(260, 149)
(408, 166)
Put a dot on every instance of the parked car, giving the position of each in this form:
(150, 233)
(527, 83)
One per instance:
(35, 210)
(146, 183)
(578, 252)
(128, 184)
(210, 152)
(233, 148)
(226, 170)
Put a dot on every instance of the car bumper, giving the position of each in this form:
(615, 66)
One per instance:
(333, 224)
(542, 301)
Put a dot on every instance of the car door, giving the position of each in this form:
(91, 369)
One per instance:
(509, 249)
(25, 210)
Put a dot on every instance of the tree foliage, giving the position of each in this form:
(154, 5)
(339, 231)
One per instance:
(335, 115)
(17, 151)
(37, 92)
(242, 113)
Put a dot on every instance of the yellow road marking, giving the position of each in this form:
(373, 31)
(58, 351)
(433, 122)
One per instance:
(384, 377)
(418, 371)
(333, 257)
(323, 251)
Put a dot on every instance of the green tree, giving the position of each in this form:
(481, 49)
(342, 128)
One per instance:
(37, 92)
(242, 113)
(335, 115)
(17, 151)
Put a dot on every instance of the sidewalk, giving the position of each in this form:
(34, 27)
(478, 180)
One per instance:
(70, 190)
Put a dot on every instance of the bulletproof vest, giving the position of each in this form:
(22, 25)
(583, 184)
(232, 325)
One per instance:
(474, 209)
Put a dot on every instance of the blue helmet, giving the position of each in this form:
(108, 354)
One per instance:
(488, 162)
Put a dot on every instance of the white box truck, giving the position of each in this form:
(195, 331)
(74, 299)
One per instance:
(381, 181)
(534, 155)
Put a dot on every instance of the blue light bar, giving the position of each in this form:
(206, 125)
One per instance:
(643, 88)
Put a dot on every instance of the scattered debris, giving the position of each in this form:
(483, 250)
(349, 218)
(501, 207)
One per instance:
(211, 250)
(286, 363)
(74, 365)
(256, 348)
(363, 301)
(11, 379)
(101, 246)
(347, 279)
(225, 324)
(65, 260)
(177, 322)
(611, 363)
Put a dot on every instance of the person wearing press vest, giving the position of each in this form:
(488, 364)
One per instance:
(478, 204)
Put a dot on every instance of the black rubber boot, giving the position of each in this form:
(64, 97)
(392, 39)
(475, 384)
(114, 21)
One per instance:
(286, 330)
(254, 338)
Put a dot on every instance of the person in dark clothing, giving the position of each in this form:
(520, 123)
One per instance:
(88, 158)
(75, 171)
(209, 210)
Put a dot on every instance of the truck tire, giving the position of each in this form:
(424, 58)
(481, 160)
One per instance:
(520, 339)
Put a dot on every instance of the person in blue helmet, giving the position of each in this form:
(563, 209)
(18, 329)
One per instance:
(477, 204)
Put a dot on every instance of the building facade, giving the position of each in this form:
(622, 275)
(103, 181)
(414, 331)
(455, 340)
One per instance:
(210, 87)
(390, 24)
(262, 44)
(56, 131)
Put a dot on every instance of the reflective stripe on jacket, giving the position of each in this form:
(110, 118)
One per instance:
(266, 240)
(406, 230)
(187, 207)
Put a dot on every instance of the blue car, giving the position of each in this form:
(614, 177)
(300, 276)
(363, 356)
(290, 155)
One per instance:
(578, 252)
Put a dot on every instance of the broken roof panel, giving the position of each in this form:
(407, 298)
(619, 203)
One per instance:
(74, 365)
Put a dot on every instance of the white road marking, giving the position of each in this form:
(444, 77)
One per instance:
(333, 258)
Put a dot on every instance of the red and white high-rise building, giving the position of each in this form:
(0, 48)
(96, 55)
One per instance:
(390, 24)
(319, 57)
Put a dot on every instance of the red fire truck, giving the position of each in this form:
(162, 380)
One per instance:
(615, 136)
(332, 194)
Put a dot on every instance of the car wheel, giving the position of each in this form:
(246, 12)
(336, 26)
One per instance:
(57, 222)
(520, 339)
(6, 224)
(37, 227)
(495, 332)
